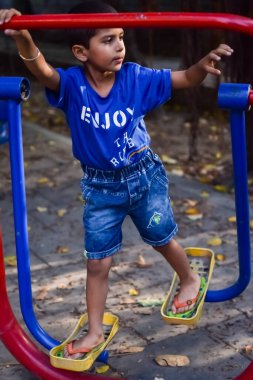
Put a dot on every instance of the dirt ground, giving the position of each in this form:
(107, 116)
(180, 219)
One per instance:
(170, 133)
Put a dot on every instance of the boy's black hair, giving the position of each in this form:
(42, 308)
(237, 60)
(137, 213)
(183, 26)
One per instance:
(83, 36)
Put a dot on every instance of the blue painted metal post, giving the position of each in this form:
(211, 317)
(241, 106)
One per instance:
(19, 90)
(20, 220)
(3, 122)
(235, 97)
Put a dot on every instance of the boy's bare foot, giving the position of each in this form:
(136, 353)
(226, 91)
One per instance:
(187, 296)
(77, 348)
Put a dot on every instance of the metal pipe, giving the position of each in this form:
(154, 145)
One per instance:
(238, 141)
(235, 98)
(20, 222)
(134, 20)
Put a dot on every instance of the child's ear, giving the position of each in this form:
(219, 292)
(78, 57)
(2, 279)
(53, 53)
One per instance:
(80, 52)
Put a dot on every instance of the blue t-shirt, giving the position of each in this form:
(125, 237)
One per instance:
(109, 132)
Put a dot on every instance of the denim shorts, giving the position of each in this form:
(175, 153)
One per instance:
(139, 190)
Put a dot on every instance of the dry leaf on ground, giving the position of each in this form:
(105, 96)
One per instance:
(61, 212)
(42, 180)
(141, 263)
(215, 241)
(61, 249)
(127, 301)
(133, 292)
(130, 350)
(41, 209)
(41, 295)
(220, 257)
(102, 369)
(172, 360)
(10, 261)
(150, 303)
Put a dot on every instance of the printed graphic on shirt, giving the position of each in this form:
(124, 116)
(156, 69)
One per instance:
(116, 119)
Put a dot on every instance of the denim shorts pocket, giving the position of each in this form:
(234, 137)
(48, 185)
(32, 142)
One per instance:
(161, 177)
(86, 190)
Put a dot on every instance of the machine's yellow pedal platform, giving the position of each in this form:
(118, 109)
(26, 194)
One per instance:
(57, 359)
(202, 262)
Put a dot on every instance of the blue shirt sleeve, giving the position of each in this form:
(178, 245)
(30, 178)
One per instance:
(58, 99)
(154, 87)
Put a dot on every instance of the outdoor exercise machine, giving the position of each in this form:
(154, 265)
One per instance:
(13, 91)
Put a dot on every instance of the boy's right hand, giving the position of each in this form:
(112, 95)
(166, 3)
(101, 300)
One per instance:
(5, 16)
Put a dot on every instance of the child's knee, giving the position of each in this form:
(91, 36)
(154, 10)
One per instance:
(160, 248)
(99, 267)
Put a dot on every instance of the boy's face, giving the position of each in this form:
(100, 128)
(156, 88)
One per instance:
(106, 50)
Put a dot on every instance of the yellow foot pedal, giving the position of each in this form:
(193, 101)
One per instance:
(57, 359)
(202, 262)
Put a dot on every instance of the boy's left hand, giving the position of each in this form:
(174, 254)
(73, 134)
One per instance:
(209, 62)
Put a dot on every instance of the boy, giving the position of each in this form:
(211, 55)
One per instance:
(105, 102)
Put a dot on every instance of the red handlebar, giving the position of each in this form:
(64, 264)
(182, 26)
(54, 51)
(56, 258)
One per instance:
(133, 20)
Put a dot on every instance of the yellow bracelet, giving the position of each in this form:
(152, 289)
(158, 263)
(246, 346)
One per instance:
(30, 59)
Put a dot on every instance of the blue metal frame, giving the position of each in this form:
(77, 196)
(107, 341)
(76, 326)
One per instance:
(3, 122)
(20, 90)
(234, 97)
(13, 108)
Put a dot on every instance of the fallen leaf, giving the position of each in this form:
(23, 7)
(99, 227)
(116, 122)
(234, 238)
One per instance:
(130, 350)
(168, 160)
(216, 241)
(195, 217)
(141, 263)
(172, 360)
(207, 168)
(232, 219)
(127, 301)
(10, 261)
(61, 249)
(41, 295)
(218, 155)
(133, 292)
(61, 212)
(221, 188)
(250, 181)
(150, 303)
(192, 211)
(214, 128)
(102, 369)
(41, 209)
(178, 172)
(191, 202)
(220, 257)
(204, 194)
(42, 180)
(204, 179)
